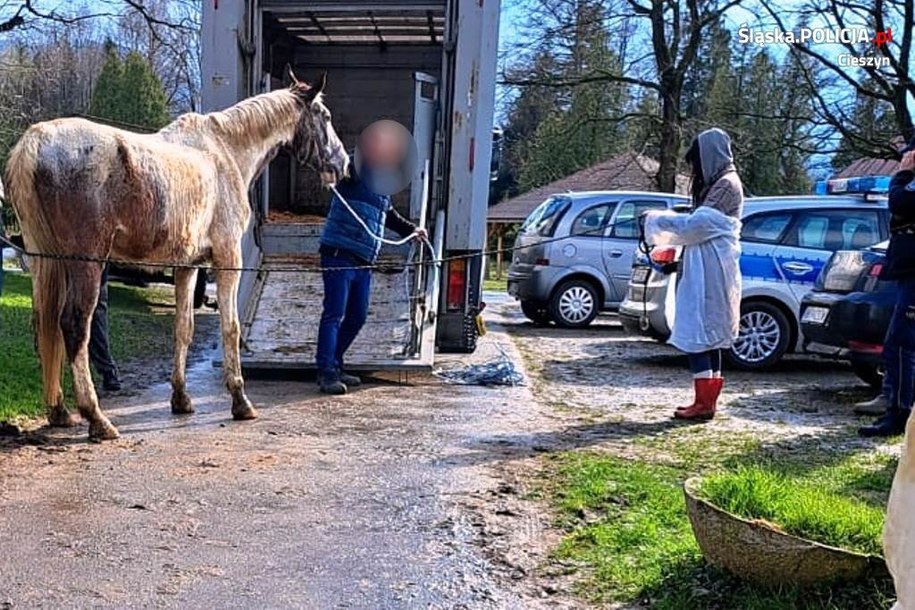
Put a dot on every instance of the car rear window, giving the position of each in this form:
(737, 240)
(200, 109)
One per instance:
(543, 220)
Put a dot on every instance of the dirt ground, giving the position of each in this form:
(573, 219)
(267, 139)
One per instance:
(408, 495)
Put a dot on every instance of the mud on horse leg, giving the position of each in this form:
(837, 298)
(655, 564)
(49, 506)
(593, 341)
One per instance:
(82, 296)
(185, 279)
(227, 291)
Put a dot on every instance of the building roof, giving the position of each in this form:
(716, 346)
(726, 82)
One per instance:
(627, 171)
(869, 167)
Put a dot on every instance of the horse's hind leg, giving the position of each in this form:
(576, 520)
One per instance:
(185, 280)
(48, 290)
(80, 303)
(227, 291)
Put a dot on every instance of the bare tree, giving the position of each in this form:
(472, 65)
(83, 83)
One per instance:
(673, 30)
(888, 84)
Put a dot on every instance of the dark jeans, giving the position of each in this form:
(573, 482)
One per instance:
(99, 349)
(705, 361)
(346, 306)
(899, 349)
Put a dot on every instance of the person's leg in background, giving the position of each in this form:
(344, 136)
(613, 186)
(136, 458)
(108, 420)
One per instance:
(99, 345)
(890, 386)
(702, 366)
(336, 295)
(357, 310)
(899, 365)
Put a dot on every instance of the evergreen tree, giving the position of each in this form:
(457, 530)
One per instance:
(128, 91)
(143, 100)
(873, 121)
(106, 97)
(585, 127)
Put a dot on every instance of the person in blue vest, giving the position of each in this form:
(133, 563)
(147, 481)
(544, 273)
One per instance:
(898, 393)
(379, 172)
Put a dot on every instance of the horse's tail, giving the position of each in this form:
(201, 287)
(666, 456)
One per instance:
(20, 179)
(49, 275)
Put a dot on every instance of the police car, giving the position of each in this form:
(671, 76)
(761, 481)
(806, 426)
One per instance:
(785, 242)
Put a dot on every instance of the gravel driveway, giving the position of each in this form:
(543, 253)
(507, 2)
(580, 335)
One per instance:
(396, 496)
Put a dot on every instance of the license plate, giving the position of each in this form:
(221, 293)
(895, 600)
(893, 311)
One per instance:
(815, 315)
(513, 289)
(640, 274)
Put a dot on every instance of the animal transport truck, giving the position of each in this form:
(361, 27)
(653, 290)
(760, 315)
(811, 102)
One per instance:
(429, 64)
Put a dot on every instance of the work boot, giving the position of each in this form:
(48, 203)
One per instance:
(330, 383)
(111, 382)
(891, 424)
(878, 406)
(703, 407)
(350, 381)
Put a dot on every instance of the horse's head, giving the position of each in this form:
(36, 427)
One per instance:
(316, 143)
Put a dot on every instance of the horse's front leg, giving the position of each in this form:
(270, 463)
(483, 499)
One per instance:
(185, 279)
(227, 293)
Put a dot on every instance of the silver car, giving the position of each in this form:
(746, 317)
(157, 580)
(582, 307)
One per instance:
(573, 255)
(785, 242)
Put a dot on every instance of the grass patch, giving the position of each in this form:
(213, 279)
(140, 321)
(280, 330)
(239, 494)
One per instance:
(496, 285)
(802, 508)
(628, 535)
(141, 325)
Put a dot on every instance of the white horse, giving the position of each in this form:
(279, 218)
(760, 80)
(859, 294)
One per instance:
(178, 195)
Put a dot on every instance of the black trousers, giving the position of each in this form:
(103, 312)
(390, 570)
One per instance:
(99, 347)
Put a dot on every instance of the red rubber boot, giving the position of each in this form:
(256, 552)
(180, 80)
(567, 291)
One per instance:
(703, 409)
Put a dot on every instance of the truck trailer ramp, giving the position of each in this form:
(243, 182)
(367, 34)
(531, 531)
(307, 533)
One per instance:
(281, 319)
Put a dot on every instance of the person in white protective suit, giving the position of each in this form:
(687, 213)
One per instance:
(707, 315)
(899, 528)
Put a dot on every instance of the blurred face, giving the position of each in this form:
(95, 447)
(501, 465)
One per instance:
(383, 145)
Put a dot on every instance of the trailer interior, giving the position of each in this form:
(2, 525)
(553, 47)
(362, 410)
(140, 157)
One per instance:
(383, 61)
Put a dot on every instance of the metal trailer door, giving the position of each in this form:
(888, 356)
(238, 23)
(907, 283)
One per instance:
(425, 110)
(469, 74)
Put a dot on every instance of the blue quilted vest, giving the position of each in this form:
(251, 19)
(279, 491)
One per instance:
(344, 232)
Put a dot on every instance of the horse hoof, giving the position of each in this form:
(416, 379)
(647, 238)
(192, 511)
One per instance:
(60, 417)
(243, 410)
(102, 431)
(181, 404)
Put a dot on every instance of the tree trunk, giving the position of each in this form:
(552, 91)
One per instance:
(670, 142)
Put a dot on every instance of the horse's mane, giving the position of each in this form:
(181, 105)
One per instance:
(258, 116)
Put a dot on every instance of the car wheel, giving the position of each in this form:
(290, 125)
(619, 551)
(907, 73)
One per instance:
(871, 374)
(574, 304)
(763, 339)
(535, 312)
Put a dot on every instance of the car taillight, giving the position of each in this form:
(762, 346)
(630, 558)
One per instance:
(664, 256)
(865, 348)
(457, 284)
(873, 276)
(543, 262)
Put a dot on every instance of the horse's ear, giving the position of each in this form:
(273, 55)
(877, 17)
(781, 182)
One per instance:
(318, 87)
(291, 77)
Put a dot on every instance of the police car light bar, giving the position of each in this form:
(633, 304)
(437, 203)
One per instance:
(850, 186)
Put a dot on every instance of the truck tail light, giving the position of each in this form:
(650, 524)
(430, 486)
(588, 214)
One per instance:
(865, 348)
(875, 270)
(457, 285)
(664, 256)
(543, 262)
